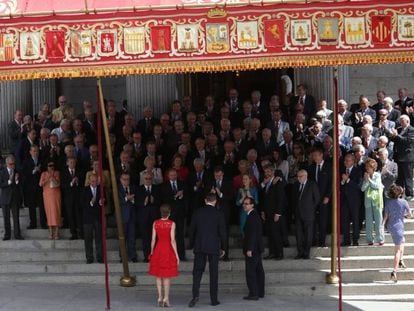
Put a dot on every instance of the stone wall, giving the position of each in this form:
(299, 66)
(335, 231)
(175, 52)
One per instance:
(368, 79)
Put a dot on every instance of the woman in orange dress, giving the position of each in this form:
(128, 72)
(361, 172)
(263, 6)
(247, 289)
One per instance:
(164, 258)
(50, 181)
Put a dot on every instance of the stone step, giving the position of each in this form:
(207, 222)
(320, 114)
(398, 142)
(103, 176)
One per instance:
(147, 283)
(236, 265)
(54, 248)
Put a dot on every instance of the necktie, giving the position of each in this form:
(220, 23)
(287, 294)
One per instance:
(218, 184)
(94, 193)
(301, 101)
(318, 170)
(198, 176)
(268, 186)
(174, 187)
(301, 190)
(127, 190)
(72, 172)
(347, 171)
(148, 190)
(277, 129)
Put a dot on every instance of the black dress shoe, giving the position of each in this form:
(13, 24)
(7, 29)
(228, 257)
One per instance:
(6, 238)
(183, 259)
(100, 261)
(298, 256)
(73, 237)
(261, 296)
(268, 257)
(346, 244)
(226, 258)
(134, 260)
(44, 227)
(31, 227)
(305, 257)
(19, 237)
(355, 243)
(193, 302)
(279, 258)
(215, 303)
(146, 260)
(89, 261)
(251, 298)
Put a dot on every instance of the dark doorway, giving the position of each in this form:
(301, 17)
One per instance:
(217, 84)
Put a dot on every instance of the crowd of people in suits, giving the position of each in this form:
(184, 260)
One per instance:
(275, 156)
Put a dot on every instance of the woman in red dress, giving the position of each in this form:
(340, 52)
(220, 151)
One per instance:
(164, 258)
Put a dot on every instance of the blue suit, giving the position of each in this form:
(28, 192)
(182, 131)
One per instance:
(129, 217)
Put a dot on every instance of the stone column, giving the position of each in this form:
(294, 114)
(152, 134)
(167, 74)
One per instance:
(44, 91)
(320, 82)
(157, 91)
(14, 95)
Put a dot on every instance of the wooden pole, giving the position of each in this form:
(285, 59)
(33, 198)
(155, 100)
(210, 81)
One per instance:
(126, 280)
(332, 277)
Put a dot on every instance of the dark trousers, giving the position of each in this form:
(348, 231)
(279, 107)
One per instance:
(350, 213)
(405, 177)
(322, 219)
(89, 232)
(130, 239)
(14, 207)
(32, 205)
(200, 260)
(226, 211)
(255, 276)
(274, 235)
(304, 236)
(73, 212)
(145, 220)
(179, 235)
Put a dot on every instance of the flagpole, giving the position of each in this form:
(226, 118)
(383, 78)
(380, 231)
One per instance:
(332, 277)
(126, 280)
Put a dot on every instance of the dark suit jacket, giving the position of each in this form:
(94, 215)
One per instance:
(142, 126)
(128, 208)
(197, 194)
(310, 106)
(226, 200)
(91, 214)
(152, 208)
(15, 135)
(178, 206)
(66, 179)
(404, 145)
(31, 188)
(263, 150)
(306, 203)
(23, 151)
(352, 189)
(208, 231)
(253, 234)
(274, 201)
(9, 192)
(324, 178)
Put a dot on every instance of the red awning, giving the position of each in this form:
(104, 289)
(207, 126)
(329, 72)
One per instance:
(41, 7)
(122, 41)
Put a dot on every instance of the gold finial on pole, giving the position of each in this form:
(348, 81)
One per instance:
(126, 280)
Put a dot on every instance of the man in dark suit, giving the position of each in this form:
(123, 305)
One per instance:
(266, 144)
(223, 188)
(174, 193)
(148, 204)
(23, 149)
(208, 237)
(146, 124)
(15, 130)
(10, 197)
(305, 100)
(127, 195)
(71, 185)
(364, 110)
(92, 219)
(32, 192)
(403, 139)
(351, 178)
(403, 101)
(307, 198)
(273, 207)
(253, 249)
(320, 171)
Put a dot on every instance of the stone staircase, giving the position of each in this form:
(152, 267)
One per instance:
(365, 269)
